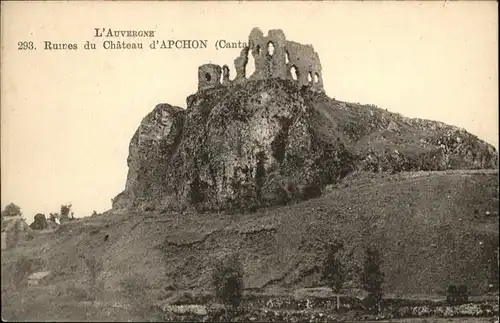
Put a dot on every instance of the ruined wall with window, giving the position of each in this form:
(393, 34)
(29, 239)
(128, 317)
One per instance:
(274, 57)
(209, 76)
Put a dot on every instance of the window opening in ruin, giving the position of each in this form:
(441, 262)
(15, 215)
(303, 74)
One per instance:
(270, 48)
(309, 77)
(208, 77)
(287, 59)
(258, 49)
(293, 70)
(316, 78)
(250, 67)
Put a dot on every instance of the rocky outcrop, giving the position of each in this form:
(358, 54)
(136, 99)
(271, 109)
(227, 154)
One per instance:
(150, 151)
(246, 143)
(237, 149)
(253, 147)
(268, 142)
(13, 229)
(40, 222)
(383, 141)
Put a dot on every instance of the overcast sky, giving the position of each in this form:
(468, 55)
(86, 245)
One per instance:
(67, 117)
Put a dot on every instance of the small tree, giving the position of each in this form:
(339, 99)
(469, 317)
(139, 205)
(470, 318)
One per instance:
(228, 280)
(372, 277)
(65, 210)
(11, 210)
(333, 271)
(94, 266)
(53, 217)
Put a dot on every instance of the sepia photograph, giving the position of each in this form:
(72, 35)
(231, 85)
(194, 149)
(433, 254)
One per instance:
(249, 161)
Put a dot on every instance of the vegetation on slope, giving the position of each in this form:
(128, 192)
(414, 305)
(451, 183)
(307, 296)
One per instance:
(432, 230)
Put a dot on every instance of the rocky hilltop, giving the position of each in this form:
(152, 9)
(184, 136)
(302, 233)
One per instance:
(274, 137)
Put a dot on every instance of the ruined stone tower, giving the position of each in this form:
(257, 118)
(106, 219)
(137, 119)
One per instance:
(208, 76)
(274, 56)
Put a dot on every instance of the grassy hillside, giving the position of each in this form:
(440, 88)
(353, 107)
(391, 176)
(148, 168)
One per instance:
(385, 141)
(433, 229)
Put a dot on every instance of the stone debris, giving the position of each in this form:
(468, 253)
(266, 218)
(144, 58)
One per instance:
(35, 278)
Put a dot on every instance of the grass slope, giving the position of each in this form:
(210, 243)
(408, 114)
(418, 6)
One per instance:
(433, 229)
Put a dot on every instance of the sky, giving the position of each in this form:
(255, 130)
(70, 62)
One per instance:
(67, 116)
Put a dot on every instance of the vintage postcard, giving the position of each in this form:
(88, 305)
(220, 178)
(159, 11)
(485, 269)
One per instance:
(288, 161)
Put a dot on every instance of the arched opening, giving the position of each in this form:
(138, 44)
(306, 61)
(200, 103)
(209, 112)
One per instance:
(257, 49)
(208, 77)
(309, 77)
(270, 48)
(316, 77)
(250, 67)
(294, 72)
(287, 58)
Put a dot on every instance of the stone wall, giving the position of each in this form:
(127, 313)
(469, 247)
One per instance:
(274, 57)
(209, 75)
(306, 63)
(12, 227)
(269, 54)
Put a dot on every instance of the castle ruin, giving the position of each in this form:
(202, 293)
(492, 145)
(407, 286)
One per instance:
(274, 56)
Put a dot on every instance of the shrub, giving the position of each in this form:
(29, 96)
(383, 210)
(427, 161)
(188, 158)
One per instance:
(457, 296)
(463, 294)
(53, 217)
(65, 212)
(451, 294)
(94, 266)
(333, 271)
(227, 279)
(11, 210)
(372, 277)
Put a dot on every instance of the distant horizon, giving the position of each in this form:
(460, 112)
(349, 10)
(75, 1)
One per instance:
(68, 116)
